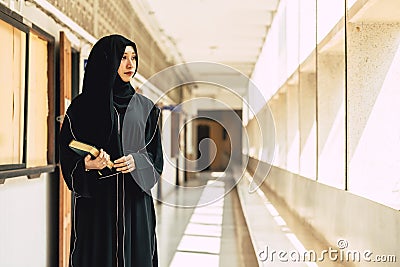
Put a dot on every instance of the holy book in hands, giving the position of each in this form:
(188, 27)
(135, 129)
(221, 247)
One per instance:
(84, 149)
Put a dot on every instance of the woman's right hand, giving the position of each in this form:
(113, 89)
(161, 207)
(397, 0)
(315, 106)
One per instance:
(98, 163)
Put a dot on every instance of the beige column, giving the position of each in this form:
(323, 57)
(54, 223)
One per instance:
(331, 119)
(307, 125)
(373, 111)
(292, 126)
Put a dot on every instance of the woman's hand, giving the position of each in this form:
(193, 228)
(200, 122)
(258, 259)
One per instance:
(125, 164)
(98, 163)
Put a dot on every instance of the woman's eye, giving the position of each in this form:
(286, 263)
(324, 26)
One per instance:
(124, 57)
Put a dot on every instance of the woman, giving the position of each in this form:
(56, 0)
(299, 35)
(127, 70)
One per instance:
(113, 220)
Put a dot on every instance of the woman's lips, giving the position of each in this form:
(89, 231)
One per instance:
(129, 73)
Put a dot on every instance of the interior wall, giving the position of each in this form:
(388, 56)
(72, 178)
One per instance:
(373, 104)
(331, 213)
(292, 126)
(24, 225)
(307, 125)
(331, 119)
(344, 108)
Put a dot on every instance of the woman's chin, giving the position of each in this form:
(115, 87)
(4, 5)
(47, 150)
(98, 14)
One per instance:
(126, 79)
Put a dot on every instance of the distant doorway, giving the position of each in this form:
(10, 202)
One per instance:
(203, 132)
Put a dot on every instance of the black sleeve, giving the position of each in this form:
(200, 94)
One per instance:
(149, 161)
(77, 179)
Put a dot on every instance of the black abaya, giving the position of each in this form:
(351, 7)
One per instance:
(113, 213)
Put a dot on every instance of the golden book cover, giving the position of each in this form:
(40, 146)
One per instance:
(84, 149)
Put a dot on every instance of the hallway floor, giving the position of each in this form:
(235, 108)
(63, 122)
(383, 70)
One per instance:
(216, 234)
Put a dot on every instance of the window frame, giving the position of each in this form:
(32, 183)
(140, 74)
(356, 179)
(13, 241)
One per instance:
(15, 21)
(51, 93)
(20, 169)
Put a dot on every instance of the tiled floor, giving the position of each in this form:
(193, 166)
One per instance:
(205, 235)
(216, 234)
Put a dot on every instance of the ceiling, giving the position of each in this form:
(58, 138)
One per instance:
(230, 32)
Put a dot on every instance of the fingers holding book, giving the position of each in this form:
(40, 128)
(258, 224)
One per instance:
(98, 163)
(125, 164)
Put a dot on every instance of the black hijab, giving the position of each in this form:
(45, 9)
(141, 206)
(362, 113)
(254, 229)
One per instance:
(93, 111)
(122, 94)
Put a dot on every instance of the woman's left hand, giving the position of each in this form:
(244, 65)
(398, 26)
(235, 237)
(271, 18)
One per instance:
(125, 164)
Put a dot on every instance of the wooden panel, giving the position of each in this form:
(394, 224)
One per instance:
(19, 93)
(65, 194)
(37, 131)
(51, 119)
(65, 73)
(6, 92)
(12, 86)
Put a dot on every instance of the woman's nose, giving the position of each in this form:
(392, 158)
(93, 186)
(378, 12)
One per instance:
(130, 63)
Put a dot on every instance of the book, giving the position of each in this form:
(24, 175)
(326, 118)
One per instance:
(84, 149)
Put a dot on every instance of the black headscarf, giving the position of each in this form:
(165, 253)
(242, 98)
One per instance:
(122, 94)
(93, 111)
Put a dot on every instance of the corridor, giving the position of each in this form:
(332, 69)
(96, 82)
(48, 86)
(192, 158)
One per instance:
(276, 125)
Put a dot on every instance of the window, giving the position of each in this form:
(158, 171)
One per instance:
(27, 99)
(12, 95)
(38, 111)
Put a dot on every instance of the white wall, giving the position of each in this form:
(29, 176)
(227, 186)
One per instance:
(338, 121)
(373, 108)
(331, 119)
(23, 222)
(308, 125)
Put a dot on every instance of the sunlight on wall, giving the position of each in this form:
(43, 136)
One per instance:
(307, 156)
(254, 137)
(307, 125)
(350, 3)
(331, 156)
(328, 13)
(292, 36)
(278, 107)
(331, 119)
(266, 75)
(293, 135)
(374, 143)
(307, 29)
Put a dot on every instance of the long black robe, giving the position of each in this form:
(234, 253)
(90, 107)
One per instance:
(113, 220)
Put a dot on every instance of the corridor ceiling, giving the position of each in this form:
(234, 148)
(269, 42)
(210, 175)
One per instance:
(230, 32)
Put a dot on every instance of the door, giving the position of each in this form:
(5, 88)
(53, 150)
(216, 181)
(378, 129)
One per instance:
(65, 194)
(203, 157)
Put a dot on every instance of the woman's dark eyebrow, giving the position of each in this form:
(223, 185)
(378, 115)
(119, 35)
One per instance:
(125, 53)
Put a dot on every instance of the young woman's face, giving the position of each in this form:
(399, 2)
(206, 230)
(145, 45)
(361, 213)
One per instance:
(128, 64)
